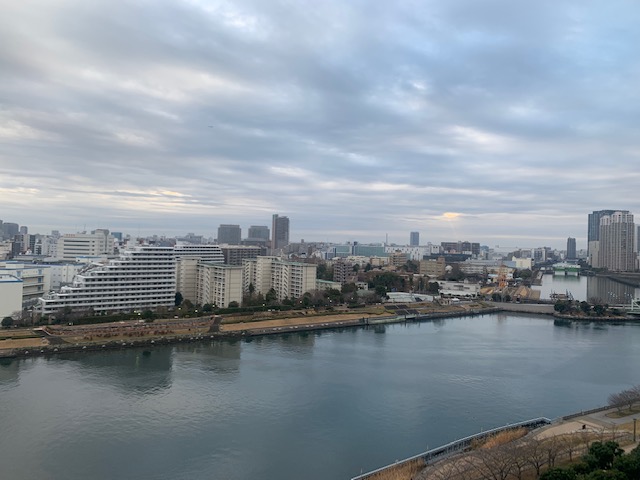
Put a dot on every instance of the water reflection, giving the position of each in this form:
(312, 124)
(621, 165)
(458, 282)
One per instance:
(599, 289)
(130, 370)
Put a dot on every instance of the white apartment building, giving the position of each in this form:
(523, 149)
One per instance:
(415, 252)
(188, 257)
(208, 252)
(144, 276)
(36, 279)
(63, 274)
(617, 240)
(75, 245)
(288, 279)
(219, 284)
(10, 295)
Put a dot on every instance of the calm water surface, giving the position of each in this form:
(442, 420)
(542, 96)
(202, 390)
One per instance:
(588, 288)
(317, 406)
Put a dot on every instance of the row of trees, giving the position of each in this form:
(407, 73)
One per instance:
(540, 458)
(571, 307)
(625, 398)
(603, 461)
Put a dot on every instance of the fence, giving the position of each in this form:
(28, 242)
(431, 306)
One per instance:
(458, 445)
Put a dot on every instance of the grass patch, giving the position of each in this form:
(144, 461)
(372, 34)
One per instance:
(624, 413)
(402, 471)
(501, 438)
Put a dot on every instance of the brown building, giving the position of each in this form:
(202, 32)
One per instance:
(433, 268)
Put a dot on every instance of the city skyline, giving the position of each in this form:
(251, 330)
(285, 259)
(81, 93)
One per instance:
(500, 123)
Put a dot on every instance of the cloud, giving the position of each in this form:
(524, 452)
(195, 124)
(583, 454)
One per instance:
(356, 119)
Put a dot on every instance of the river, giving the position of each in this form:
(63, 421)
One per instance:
(318, 406)
(582, 288)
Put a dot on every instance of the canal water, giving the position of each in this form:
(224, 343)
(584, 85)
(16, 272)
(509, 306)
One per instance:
(317, 406)
(587, 288)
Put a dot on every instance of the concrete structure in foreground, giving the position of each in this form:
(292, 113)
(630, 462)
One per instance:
(10, 295)
(142, 277)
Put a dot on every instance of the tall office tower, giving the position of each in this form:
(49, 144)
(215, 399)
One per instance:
(258, 232)
(571, 248)
(279, 232)
(414, 239)
(24, 230)
(617, 240)
(229, 234)
(10, 229)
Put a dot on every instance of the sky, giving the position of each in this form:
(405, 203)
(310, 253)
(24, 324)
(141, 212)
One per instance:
(500, 122)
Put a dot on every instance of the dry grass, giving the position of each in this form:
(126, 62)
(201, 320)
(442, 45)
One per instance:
(624, 413)
(502, 438)
(403, 471)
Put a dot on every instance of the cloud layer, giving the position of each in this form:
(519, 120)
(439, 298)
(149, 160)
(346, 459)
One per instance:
(501, 122)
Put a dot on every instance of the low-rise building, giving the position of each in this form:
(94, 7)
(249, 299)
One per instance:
(36, 279)
(10, 295)
(459, 289)
(433, 267)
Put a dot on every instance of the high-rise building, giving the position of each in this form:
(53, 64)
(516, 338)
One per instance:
(617, 241)
(10, 230)
(142, 277)
(414, 239)
(279, 232)
(229, 234)
(258, 232)
(571, 248)
(288, 279)
(593, 229)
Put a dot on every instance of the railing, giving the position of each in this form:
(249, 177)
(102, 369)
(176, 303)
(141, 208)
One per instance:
(458, 445)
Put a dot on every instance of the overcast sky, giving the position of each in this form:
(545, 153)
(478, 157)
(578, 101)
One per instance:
(503, 122)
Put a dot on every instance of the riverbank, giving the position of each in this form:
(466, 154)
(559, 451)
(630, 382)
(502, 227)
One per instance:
(52, 340)
(560, 441)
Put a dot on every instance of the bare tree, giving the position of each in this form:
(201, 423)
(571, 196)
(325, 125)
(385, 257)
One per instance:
(536, 454)
(495, 463)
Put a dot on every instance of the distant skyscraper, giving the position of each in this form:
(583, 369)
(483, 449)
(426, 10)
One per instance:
(571, 248)
(617, 242)
(229, 234)
(24, 230)
(593, 229)
(414, 239)
(279, 232)
(10, 229)
(258, 232)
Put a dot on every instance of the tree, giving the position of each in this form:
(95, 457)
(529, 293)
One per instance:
(381, 291)
(7, 322)
(433, 288)
(349, 288)
(601, 455)
(233, 304)
(271, 296)
(585, 307)
(179, 299)
(558, 474)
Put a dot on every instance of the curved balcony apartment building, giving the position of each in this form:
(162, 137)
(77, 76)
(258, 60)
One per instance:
(142, 277)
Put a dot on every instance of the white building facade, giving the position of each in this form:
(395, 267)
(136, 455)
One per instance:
(75, 245)
(36, 279)
(219, 284)
(10, 295)
(142, 277)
